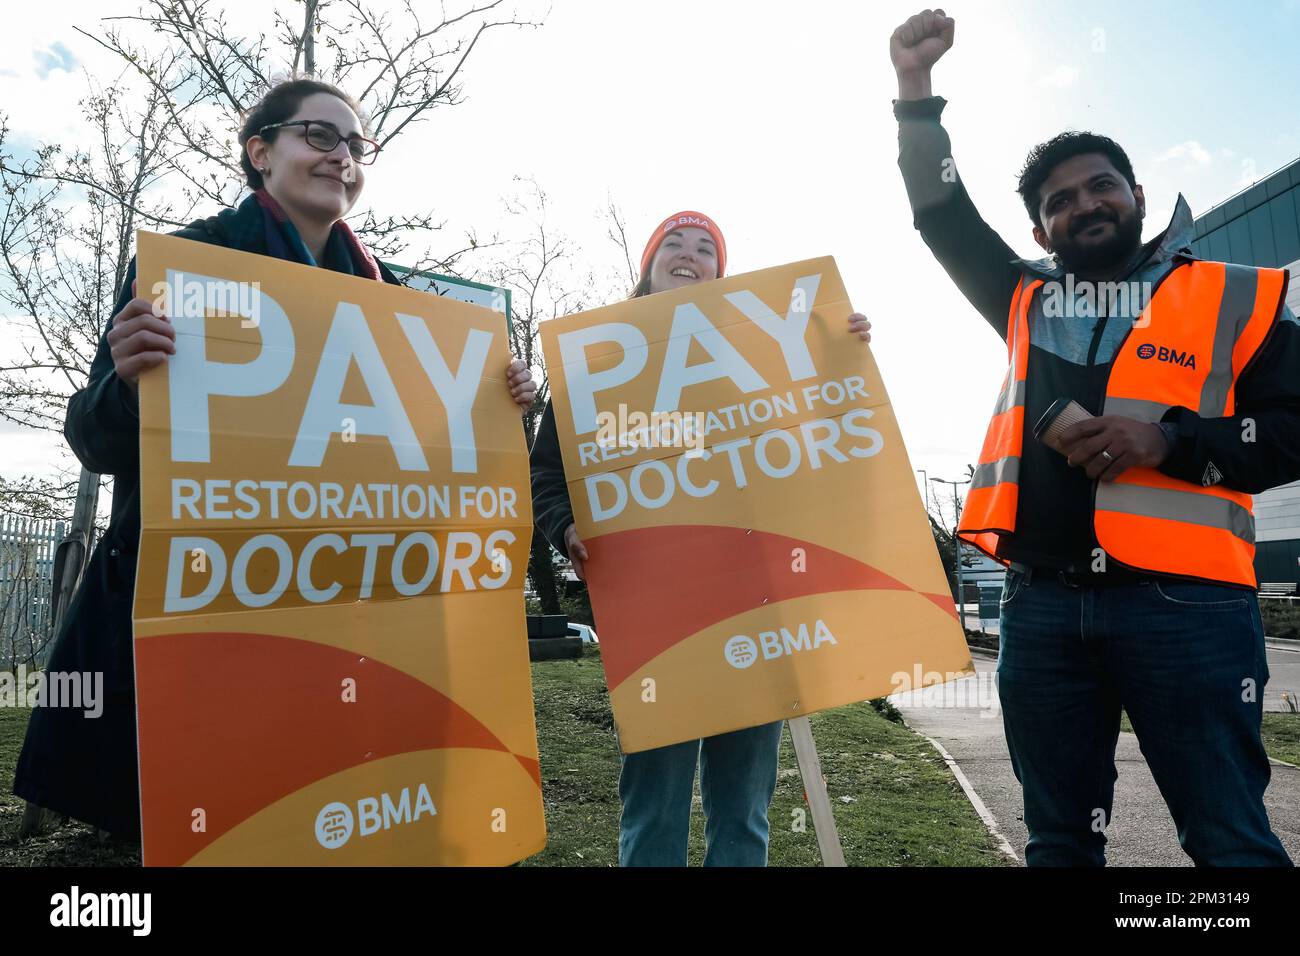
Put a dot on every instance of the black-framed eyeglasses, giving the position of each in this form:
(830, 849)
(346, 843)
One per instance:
(325, 137)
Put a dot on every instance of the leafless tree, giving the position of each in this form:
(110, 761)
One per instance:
(161, 149)
(547, 279)
(945, 534)
(617, 233)
(66, 226)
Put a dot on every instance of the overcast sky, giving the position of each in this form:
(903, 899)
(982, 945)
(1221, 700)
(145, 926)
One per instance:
(774, 118)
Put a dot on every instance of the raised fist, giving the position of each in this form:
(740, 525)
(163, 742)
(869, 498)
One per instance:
(918, 44)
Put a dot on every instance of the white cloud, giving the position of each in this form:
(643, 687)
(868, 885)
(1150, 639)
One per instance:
(1191, 151)
(1063, 77)
(1249, 174)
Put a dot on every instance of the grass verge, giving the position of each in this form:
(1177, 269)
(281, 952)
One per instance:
(1282, 737)
(1281, 733)
(895, 802)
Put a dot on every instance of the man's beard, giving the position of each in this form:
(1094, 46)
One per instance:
(1102, 256)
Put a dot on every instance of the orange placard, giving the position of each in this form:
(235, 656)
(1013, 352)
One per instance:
(330, 650)
(758, 548)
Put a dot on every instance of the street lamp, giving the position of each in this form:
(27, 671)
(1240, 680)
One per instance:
(925, 483)
(956, 547)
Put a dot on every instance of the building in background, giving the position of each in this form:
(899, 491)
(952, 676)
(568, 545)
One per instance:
(1260, 226)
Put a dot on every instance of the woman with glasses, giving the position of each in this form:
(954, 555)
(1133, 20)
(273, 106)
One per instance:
(305, 152)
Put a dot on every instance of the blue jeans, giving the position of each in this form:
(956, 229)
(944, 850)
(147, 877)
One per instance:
(1186, 662)
(737, 779)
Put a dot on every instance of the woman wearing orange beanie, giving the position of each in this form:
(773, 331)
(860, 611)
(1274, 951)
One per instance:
(738, 769)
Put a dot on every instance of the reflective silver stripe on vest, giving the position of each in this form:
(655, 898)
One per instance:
(1235, 308)
(1137, 408)
(995, 472)
(1189, 507)
(1011, 318)
(1013, 393)
(1011, 396)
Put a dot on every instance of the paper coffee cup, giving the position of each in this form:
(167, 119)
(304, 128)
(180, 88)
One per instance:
(1062, 414)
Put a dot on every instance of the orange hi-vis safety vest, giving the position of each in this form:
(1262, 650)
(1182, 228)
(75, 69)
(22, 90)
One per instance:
(1203, 325)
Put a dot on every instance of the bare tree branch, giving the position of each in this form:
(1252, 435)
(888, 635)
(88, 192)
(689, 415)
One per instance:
(160, 148)
(617, 232)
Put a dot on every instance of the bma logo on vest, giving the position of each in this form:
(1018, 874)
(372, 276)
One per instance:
(741, 651)
(335, 823)
(1165, 354)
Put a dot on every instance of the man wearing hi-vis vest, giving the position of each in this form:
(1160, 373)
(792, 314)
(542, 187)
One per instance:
(1128, 535)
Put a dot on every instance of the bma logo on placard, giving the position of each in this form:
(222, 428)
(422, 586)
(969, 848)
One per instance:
(741, 651)
(334, 825)
(335, 822)
(1165, 354)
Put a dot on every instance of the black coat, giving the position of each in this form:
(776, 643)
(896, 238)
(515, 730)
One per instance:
(87, 767)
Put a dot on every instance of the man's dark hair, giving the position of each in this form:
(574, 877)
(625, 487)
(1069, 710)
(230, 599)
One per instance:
(280, 103)
(1045, 157)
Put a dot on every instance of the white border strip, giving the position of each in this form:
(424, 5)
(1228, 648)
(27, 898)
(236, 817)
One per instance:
(975, 800)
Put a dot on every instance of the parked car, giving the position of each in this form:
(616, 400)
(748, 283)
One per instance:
(583, 631)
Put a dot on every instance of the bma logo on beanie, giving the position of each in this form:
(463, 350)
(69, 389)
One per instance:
(686, 219)
(698, 221)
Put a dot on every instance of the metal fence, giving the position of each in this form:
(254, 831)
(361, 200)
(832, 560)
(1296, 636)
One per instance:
(27, 547)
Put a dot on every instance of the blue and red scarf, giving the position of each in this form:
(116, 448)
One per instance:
(344, 252)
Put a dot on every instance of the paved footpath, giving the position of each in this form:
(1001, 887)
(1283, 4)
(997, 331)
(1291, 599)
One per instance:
(966, 722)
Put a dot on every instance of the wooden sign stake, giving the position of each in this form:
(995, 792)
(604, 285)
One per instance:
(810, 768)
